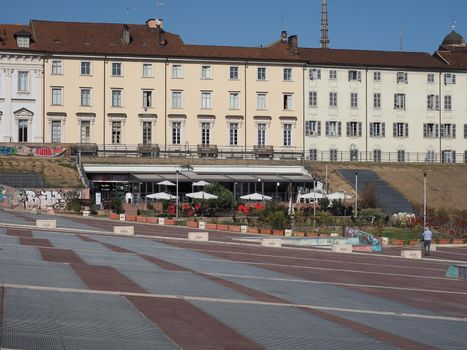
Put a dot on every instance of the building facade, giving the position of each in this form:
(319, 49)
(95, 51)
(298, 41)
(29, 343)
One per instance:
(138, 88)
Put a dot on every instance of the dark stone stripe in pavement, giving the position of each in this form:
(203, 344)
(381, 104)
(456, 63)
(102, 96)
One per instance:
(112, 247)
(105, 278)
(190, 327)
(59, 255)
(164, 264)
(18, 232)
(23, 216)
(38, 242)
(386, 337)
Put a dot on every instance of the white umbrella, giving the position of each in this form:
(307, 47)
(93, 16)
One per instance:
(201, 195)
(201, 183)
(337, 196)
(312, 195)
(161, 195)
(256, 197)
(166, 183)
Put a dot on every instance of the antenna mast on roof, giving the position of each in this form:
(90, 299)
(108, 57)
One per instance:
(453, 23)
(127, 15)
(401, 39)
(158, 8)
(324, 25)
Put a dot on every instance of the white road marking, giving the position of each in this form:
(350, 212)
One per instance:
(236, 301)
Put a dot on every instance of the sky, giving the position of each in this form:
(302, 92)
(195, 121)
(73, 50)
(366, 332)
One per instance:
(353, 24)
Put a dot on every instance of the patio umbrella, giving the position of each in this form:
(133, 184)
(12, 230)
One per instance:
(161, 195)
(201, 195)
(312, 195)
(166, 183)
(256, 197)
(337, 196)
(201, 183)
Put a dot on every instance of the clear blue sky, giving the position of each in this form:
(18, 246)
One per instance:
(354, 24)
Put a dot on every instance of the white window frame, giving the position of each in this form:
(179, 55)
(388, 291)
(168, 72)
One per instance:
(176, 127)
(23, 41)
(85, 68)
(314, 74)
(448, 102)
(261, 101)
(177, 71)
(399, 101)
(146, 137)
(333, 99)
(261, 73)
(56, 67)
(355, 75)
(206, 99)
(116, 138)
(206, 133)
(400, 130)
(53, 132)
(83, 100)
(402, 78)
(377, 100)
(234, 100)
(234, 73)
(117, 97)
(206, 72)
(261, 134)
(23, 82)
(377, 76)
(312, 128)
(177, 99)
(313, 99)
(287, 74)
(449, 79)
(233, 133)
(333, 128)
(147, 70)
(377, 129)
(354, 129)
(85, 125)
(430, 78)
(287, 101)
(117, 69)
(432, 102)
(333, 74)
(287, 134)
(354, 100)
(57, 96)
(148, 98)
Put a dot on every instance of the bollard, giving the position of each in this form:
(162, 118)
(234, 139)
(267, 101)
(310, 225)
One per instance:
(288, 233)
(122, 217)
(161, 221)
(202, 225)
(244, 229)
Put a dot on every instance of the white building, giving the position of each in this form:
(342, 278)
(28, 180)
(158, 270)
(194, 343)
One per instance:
(20, 86)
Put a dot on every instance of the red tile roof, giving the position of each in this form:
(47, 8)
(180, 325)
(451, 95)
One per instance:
(455, 56)
(8, 40)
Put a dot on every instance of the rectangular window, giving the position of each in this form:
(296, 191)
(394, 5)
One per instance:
(116, 132)
(177, 71)
(430, 130)
(56, 131)
(147, 70)
(177, 99)
(261, 134)
(377, 155)
(400, 130)
(376, 76)
(147, 99)
(287, 134)
(354, 100)
(85, 68)
(233, 134)
(147, 133)
(116, 98)
(261, 74)
(234, 100)
(448, 131)
(312, 99)
(465, 131)
(430, 157)
(206, 72)
(432, 102)
(355, 75)
(22, 41)
(333, 74)
(288, 74)
(233, 73)
(354, 129)
(57, 68)
(116, 69)
(401, 156)
(465, 157)
(315, 74)
(333, 99)
(85, 131)
(22, 130)
(333, 128)
(430, 78)
(312, 128)
(313, 154)
(261, 100)
(448, 102)
(176, 132)
(402, 78)
(448, 156)
(287, 102)
(57, 96)
(333, 155)
(399, 101)
(205, 133)
(206, 100)
(377, 100)
(85, 97)
(449, 78)
(23, 81)
(377, 129)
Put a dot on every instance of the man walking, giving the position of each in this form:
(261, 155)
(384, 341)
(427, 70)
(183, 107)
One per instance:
(427, 236)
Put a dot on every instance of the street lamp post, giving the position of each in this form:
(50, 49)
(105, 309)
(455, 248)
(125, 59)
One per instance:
(177, 170)
(356, 193)
(424, 197)
(277, 190)
(314, 203)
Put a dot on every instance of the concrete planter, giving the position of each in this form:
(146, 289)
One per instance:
(170, 222)
(152, 220)
(398, 242)
(253, 230)
(278, 232)
(442, 241)
(193, 224)
(141, 219)
(114, 216)
(130, 218)
(299, 234)
(210, 226)
(234, 228)
(457, 241)
(222, 227)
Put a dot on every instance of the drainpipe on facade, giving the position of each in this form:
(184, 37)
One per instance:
(105, 101)
(245, 125)
(366, 114)
(165, 104)
(43, 98)
(303, 112)
(439, 117)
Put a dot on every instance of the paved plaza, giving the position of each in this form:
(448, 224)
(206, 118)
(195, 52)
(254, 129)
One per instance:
(80, 287)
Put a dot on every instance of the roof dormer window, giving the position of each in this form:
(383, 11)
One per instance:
(23, 39)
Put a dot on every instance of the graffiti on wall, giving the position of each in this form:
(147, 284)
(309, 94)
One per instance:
(41, 198)
(35, 151)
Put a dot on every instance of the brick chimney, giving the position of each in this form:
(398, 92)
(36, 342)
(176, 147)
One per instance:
(126, 37)
(284, 35)
(293, 43)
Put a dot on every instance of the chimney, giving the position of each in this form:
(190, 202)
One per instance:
(284, 35)
(126, 38)
(293, 43)
(154, 23)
